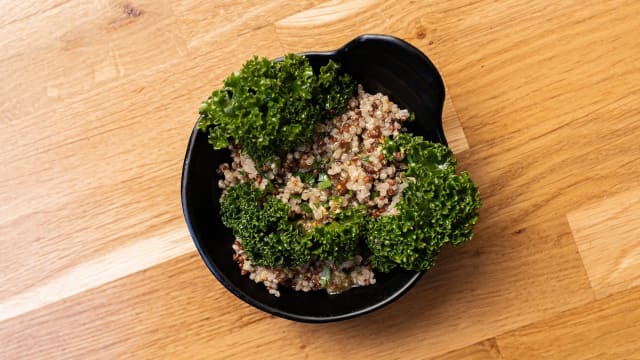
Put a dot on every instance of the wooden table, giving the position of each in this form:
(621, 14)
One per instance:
(99, 99)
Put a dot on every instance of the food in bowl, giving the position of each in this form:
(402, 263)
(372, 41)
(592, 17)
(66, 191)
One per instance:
(325, 186)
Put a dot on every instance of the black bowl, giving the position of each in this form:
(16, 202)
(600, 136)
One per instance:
(381, 64)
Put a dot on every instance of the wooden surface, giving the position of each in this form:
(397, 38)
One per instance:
(98, 101)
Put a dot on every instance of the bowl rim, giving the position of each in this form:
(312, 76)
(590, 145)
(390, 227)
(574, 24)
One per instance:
(212, 266)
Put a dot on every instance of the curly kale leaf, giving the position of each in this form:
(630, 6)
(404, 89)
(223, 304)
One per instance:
(333, 90)
(263, 225)
(339, 239)
(270, 238)
(270, 107)
(438, 207)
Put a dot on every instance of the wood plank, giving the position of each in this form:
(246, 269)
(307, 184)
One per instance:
(605, 329)
(97, 271)
(116, 175)
(118, 319)
(20, 10)
(218, 23)
(103, 43)
(608, 238)
(330, 24)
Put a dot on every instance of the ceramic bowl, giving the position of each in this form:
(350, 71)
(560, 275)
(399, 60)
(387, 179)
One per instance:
(381, 64)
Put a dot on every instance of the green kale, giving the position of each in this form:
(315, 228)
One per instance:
(270, 107)
(270, 238)
(438, 207)
(339, 239)
(306, 208)
(263, 225)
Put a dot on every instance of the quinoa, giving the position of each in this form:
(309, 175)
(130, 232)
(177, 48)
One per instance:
(346, 155)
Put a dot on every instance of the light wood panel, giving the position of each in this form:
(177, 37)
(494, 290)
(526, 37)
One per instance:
(99, 99)
(452, 128)
(608, 237)
(605, 329)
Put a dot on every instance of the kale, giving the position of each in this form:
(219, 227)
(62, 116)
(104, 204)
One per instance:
(270, 107)
(438, 207)
(271, 238)
(339, 239)
(263, 225)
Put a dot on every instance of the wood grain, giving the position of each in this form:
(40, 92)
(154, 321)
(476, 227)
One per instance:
(98, 101)
(605, 329)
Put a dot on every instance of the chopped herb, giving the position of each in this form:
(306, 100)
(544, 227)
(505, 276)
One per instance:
(305, 177)
(324, 182)
(307, 209)
(325, 276)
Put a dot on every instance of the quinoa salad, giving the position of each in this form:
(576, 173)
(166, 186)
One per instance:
(326, 187)
(346, 155)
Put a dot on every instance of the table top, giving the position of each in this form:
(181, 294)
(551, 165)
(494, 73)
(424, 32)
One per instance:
(99, 99)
